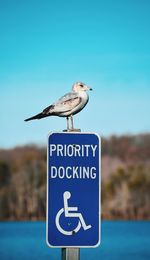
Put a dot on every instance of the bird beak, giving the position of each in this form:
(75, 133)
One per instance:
(89, 88)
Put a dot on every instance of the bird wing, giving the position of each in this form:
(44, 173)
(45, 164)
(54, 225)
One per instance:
(64, 104)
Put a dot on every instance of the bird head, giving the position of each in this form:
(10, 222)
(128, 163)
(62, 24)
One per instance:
(80, 86)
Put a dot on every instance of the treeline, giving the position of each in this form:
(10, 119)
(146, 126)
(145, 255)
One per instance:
(126, 177)
(125, 180)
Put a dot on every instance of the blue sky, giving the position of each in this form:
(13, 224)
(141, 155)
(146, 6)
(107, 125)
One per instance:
(46, 46)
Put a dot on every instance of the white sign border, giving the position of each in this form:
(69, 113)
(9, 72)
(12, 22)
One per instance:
(99, 240)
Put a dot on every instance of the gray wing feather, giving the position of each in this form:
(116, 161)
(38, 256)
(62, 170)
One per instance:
(64, 104)
(66, 97)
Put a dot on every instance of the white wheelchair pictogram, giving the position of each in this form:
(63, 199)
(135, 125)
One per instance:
(71, 212)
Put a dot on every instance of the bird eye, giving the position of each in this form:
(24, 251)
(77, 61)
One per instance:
(81, 86)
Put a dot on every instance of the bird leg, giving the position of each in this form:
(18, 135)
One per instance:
(72, 126)
(67, 123)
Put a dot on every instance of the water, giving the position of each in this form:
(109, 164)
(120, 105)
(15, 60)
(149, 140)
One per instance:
(120, 240)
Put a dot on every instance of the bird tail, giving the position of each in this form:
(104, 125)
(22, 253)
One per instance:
(38, 116)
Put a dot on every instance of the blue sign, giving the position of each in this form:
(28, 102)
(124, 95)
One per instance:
(73, 190)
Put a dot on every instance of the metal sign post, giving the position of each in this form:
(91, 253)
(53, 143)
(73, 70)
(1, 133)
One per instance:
(70, 254)
(73, 192)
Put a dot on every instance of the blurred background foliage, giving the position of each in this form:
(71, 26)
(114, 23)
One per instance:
(125, 180)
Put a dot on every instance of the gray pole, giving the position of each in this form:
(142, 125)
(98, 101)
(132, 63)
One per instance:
(70, 253)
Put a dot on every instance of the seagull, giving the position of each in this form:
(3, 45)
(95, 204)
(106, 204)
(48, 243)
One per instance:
(68, 105)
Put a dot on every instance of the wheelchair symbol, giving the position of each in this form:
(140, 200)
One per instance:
(69, 212)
